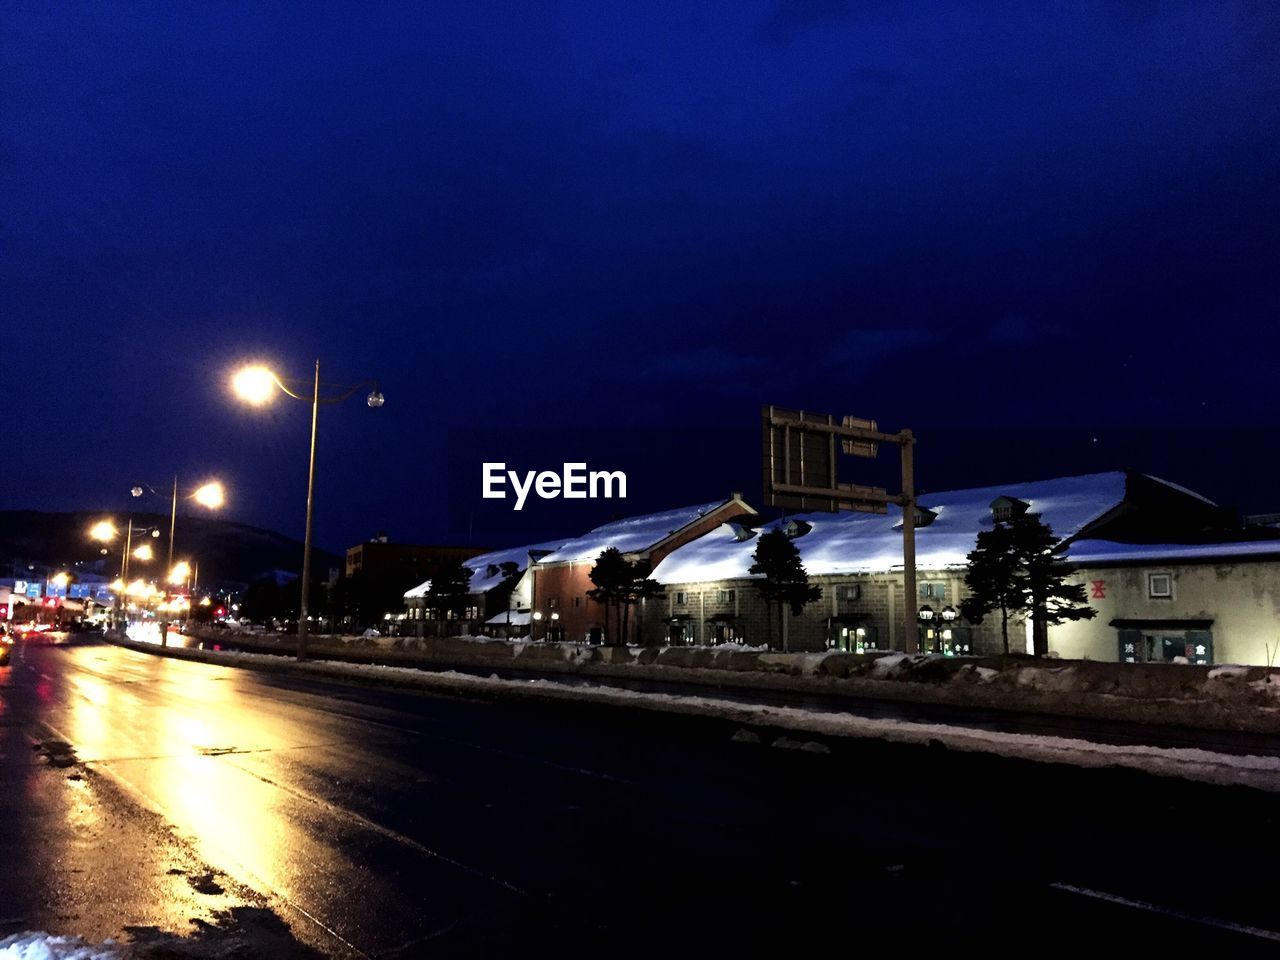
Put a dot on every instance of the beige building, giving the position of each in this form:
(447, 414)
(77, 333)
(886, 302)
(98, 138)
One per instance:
(1206, 603)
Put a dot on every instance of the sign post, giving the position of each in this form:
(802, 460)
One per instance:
(800, 459)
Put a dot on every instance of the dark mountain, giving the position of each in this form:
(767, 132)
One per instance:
(225, 551)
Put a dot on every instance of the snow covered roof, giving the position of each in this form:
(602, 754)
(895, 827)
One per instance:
(633, 534)
(868, 543)
(518, 618)
(1102, 552)
(486, 567)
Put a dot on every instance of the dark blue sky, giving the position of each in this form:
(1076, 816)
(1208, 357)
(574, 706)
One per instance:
(612, 217)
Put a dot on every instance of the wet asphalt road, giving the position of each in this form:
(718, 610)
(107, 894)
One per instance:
(391, 824)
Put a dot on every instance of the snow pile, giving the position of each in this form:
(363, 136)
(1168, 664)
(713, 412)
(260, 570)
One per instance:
(974, 673)
(1229, 671)
(894, 665)
(47, 946)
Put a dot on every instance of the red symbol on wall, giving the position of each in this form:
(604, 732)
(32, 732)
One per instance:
(1099, 590)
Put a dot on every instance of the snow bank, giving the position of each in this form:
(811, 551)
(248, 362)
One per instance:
(1229, 671)
(894, 665)
(47, 946)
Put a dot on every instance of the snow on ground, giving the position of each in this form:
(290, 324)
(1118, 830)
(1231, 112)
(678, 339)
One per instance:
(1190, 763)
(1229, 671)
(47, 946)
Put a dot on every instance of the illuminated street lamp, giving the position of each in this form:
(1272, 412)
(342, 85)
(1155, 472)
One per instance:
(924, 617)
(180, 573)
(537, 618)
(144, 553)
(210, 495)
(104, 531)
(256, 385)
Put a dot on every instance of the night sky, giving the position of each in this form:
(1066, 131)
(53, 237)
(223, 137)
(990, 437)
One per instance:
(1045, 236)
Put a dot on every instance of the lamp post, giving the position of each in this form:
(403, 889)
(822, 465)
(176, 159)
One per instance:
(924, 616)
(537, 618)
(256, 385)
(948, 615)
(104, 531)
(210, 495)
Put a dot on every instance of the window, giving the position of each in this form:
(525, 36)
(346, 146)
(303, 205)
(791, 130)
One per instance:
(1160, 586)
(682, 597)
(848, 591)
(577, 601)
(934, 590)
(724, 596)
(551, 603)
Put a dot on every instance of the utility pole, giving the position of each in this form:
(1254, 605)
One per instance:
(911, 643)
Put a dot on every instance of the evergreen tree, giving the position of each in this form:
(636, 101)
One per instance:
(1015, 568)
(784, 581)
(449, 590)
(638, 589)
(994, 579)
(612, 576)
(1051, 599)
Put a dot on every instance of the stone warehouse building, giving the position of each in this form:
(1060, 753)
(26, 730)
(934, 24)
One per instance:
(1170, 574)
(1205, 603)
(857, 560)
(561, 579)
(499, 601)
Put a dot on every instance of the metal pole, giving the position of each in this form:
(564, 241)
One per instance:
(128, 544)
(306, 548)
(173, 521)
(909, 599)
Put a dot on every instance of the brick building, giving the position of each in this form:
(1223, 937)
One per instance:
(379, 557)
(561, 579)
(500, 599)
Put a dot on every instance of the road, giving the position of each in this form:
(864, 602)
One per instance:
(140, 792)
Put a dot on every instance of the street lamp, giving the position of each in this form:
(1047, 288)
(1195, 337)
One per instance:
(949, 616)
(211, 495)
(537, 618)
(925, 617)
(942, 636)
(256, 385)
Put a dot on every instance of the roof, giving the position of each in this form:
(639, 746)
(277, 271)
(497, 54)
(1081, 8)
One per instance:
(514, 618)
(481, 579)
(1103, 552)
(869, 543)
(635, 534)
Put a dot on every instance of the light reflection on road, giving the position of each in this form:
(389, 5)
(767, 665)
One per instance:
(186, 740)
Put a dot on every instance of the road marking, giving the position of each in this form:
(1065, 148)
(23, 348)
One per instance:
(1148, 907)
